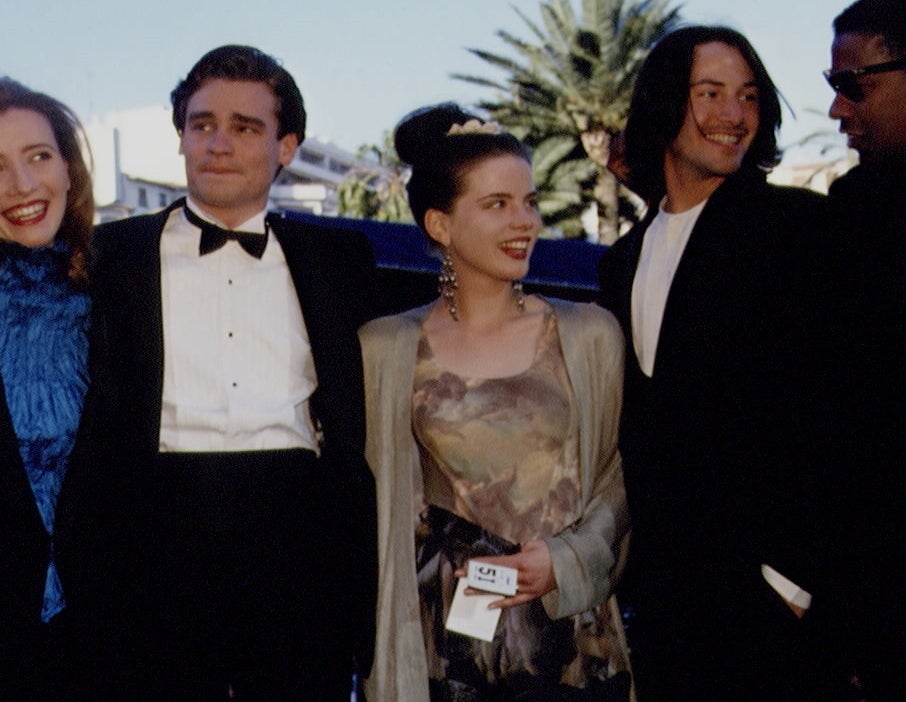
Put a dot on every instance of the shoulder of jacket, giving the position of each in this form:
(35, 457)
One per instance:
(624, 244)
(286, 222)
(790, 193)
(120, 234)
(587, 316)
(127, 223)
(389, 326)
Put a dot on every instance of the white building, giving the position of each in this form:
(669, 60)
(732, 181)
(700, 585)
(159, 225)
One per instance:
(138, 169)
(815, 174)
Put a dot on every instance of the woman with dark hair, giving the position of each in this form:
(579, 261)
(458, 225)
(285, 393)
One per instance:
(499, 411)
(46, 211)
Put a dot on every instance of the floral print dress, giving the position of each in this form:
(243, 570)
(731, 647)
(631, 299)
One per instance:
(503, 453)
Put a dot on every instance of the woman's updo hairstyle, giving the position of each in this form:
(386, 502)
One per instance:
(440, 160)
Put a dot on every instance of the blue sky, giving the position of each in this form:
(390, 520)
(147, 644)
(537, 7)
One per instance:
(361, 64)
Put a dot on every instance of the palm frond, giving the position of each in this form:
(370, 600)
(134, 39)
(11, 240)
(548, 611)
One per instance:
(572, 75)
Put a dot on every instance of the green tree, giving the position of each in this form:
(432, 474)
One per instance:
(568, 93)
(376, 190)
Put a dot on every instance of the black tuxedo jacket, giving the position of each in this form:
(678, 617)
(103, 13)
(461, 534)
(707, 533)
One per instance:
(24, 542)
(716, 444)
(101, 508)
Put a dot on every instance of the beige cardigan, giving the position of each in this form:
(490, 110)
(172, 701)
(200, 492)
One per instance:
(585, 555)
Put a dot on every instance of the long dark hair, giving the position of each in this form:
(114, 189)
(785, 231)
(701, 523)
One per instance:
(440, 161)
(75, 230)
(661, 95)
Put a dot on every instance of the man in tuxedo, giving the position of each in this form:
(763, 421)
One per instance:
(710, 289)
(868, 75)
(223, 521)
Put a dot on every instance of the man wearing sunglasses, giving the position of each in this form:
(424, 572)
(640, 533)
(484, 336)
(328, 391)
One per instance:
(868, 74)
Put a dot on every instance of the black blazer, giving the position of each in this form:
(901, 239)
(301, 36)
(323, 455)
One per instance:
(24, 542)
(716, 443)
(333, 273)
(866, 515)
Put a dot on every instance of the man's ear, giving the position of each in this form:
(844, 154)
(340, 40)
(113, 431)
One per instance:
(288, 145)
(437, 224)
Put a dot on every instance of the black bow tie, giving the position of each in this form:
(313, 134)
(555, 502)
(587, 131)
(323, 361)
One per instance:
(214, 237)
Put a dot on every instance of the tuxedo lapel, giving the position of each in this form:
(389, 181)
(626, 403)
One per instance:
(310, 269)
(684, 295)
(703, 286)
(307, 272)
(332, 272)
(132, 321)
(150, 333)
(149, 342)
(17, 496)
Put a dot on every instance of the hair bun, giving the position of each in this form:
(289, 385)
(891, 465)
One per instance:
(421, 133)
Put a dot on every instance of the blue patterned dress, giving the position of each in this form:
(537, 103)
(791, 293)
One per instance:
(43, 364)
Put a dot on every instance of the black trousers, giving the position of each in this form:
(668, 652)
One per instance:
(753, 649)
(241, 602)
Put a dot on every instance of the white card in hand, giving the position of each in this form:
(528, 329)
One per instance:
(469, 614)
(492, 578)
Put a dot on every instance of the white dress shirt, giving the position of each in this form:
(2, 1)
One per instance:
(238, 369)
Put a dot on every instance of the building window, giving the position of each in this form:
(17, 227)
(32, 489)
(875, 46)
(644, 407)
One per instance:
(162, 199)
(142, 197)
(337, 167)
(308, 157)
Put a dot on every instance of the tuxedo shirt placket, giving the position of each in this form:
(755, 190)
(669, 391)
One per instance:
(244, 370)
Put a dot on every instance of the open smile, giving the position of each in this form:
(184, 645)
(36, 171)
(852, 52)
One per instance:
(26, 214)
(516, 248)
(725, 138)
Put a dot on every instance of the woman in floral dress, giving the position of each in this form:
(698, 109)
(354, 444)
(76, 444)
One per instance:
(501, 408)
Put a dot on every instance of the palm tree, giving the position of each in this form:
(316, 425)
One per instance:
(568, 94)
(378, 190)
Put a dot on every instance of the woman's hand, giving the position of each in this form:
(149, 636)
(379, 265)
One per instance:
(536, 574)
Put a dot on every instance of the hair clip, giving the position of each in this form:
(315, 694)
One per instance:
(475, 126)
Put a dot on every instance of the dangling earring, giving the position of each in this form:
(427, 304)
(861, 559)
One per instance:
(447, 286)
(520, 297)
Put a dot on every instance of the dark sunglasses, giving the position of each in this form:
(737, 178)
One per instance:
(847, 82)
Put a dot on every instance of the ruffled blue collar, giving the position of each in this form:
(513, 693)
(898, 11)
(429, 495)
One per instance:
(32, 264)
(43, 363)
